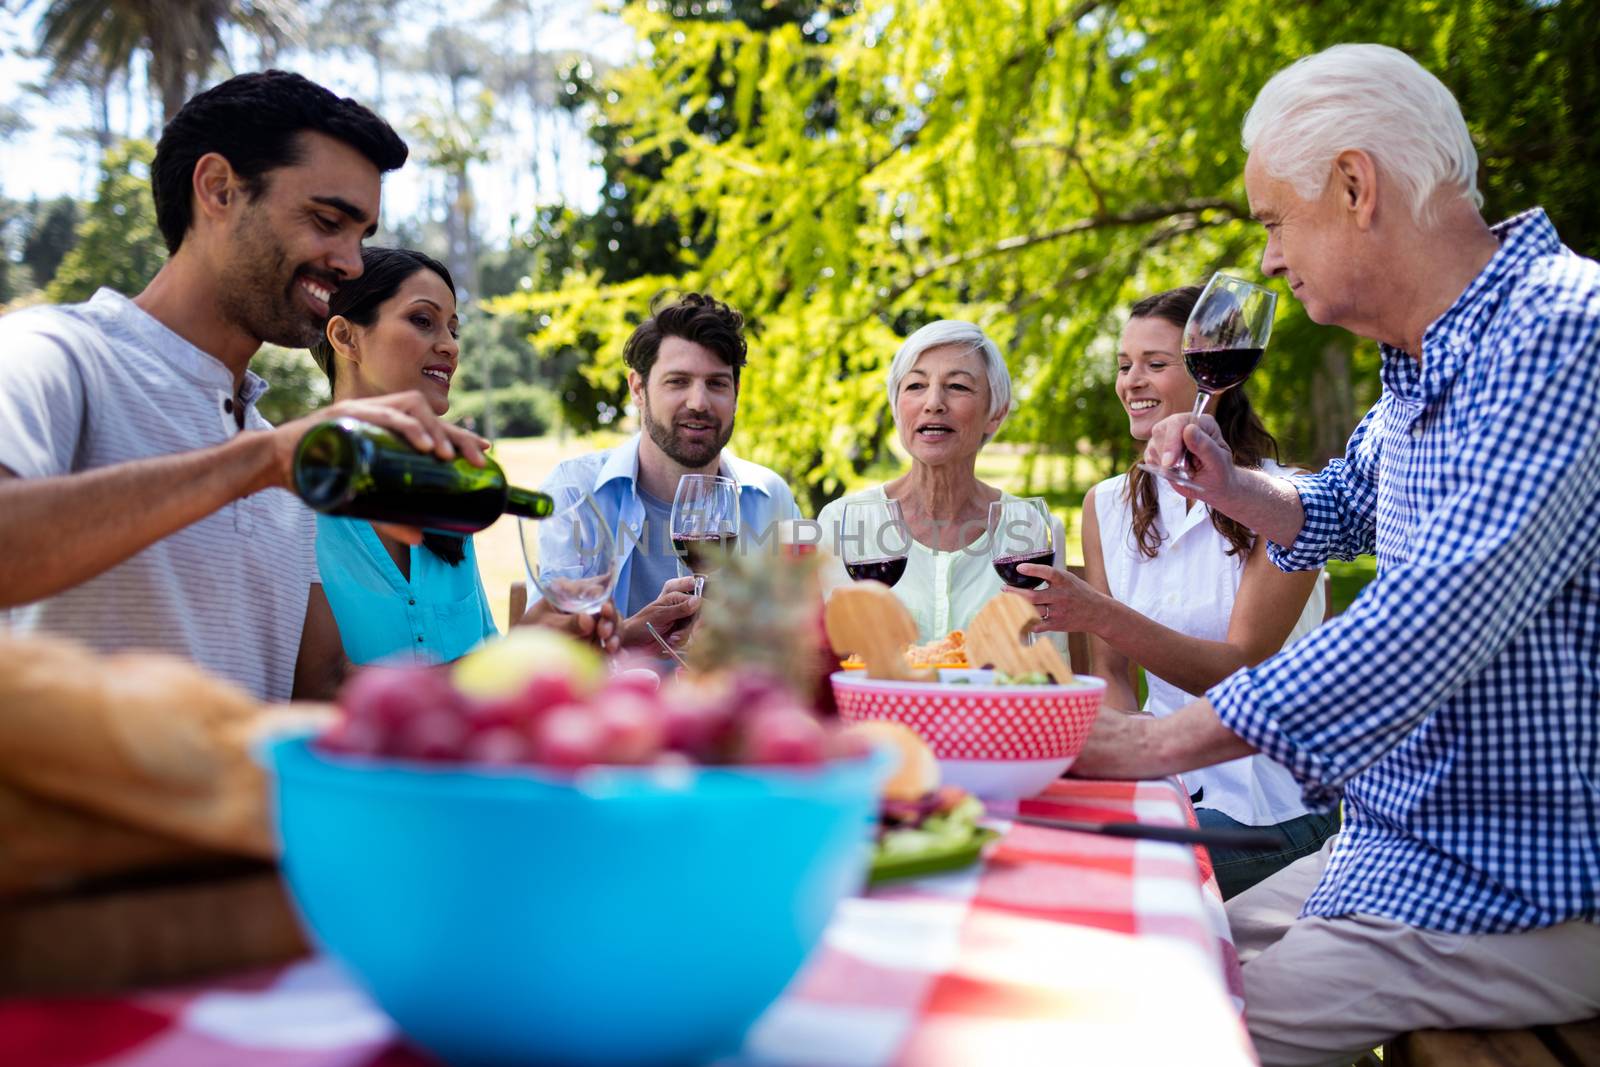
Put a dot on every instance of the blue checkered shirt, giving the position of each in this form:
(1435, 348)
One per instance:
(1456, 704)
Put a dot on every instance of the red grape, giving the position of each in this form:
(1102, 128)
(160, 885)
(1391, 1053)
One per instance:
(783, 734)
(694, 726)
(498, 746)
(437, 733)
(391, 696)
(569, 736)
(631, 724)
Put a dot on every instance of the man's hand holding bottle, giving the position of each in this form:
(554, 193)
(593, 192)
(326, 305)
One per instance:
(404, 414)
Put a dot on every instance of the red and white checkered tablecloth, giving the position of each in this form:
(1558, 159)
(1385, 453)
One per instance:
(1060, 947)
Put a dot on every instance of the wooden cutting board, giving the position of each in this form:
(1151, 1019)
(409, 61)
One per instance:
(148, 930)
(867, 620)
(998, 637)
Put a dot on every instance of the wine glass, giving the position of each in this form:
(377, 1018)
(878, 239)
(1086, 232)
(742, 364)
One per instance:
(1222, 342)
(582, 581)
(705, 520)
(1020, 531)
(874, 540)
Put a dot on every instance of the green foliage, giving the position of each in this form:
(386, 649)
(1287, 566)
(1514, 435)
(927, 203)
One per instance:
(118, 244)
(521, 410)
(298, 385)
(1031, 165)
(50, 237)
(550, 249)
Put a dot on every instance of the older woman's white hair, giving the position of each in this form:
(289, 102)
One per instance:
(962, 335)
(1370, 97)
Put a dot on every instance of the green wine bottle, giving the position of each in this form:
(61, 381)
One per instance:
(361, 471)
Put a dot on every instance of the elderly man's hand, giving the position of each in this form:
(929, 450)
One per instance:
(672, 614)
(1196, 441)
(1066, 602)
(601, 629)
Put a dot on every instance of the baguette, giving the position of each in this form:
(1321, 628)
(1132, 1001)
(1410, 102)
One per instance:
(149, 740)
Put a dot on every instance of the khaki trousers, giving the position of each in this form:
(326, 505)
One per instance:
(1323, 991)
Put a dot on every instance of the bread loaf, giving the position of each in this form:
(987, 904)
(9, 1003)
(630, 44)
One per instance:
(149, 740)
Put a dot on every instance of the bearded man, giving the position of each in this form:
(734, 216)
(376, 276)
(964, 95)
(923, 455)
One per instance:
(684, 363)
(143, 498)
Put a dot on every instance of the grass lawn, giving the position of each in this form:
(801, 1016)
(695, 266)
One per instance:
(529, 461)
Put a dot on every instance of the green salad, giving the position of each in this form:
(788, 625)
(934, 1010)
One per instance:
(937, 833)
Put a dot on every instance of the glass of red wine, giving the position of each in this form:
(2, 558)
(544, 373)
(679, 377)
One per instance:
(874, 540)
(705, 521)
(1222, 343)
(1020, 532)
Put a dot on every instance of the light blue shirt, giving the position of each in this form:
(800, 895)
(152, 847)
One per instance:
(611, 477)
(435, 617)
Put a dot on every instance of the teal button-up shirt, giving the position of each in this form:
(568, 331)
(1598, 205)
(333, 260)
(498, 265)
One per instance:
(435, 617)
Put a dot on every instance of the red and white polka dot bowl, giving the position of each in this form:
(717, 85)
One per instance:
(1002, 742)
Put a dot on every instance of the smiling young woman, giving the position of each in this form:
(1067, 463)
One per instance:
(390, 330)
(1187, 593)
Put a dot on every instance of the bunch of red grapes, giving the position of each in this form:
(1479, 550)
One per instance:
(556, 720)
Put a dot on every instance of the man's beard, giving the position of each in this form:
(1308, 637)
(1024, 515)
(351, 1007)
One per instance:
(260, 294)
(685, 453)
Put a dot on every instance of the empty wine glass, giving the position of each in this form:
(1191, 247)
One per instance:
(1020, 531)
(705, 520)
(874, 541)
(581, 580)
(1222, 342)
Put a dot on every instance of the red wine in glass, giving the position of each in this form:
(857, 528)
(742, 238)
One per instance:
(704, 552)
(1222, 342)
(887, 570)
(1007, 568)
(1216, 369)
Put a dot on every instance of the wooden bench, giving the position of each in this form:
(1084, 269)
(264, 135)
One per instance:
(1569, 1045)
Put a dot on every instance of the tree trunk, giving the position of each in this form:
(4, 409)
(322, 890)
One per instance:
(1332, 403)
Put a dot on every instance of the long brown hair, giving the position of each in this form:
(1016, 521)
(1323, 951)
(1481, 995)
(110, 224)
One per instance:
(1241, 429)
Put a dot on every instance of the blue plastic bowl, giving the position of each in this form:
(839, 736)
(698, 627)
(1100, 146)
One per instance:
(626, 916)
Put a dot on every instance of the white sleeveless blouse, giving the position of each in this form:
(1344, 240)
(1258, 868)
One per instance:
(1190, 587)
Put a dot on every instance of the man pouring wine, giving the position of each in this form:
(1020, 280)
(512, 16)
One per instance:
(142, 496)
(1452, 708)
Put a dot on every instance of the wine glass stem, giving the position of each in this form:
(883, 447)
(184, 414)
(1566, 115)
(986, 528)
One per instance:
(1201, 397)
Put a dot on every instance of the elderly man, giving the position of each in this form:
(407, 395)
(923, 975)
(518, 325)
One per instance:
(1454, 705)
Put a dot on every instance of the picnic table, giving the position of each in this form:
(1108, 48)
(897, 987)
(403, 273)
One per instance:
(1059, 947)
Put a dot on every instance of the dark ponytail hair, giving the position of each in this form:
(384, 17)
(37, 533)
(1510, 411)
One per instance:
(1241, 429)
(383, 272)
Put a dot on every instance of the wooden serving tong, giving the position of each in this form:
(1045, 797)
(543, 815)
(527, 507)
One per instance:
(866, 619)
(997, 637)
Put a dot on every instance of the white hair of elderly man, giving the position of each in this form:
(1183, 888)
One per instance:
(1373, 98)
(961, 334)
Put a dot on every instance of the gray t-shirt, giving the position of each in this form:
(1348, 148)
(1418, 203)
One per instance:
(654, 562)
(97, 384)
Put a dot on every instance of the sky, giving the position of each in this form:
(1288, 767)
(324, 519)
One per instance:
(44, 162)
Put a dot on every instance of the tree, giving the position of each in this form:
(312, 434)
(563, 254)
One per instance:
(182, 38)
(298, 385)
(50, 238)
(118, 244)
(1032, 165)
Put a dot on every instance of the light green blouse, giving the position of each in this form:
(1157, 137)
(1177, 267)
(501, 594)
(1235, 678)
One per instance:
(943, 590)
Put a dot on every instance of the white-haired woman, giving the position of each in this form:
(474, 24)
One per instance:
(949, 392)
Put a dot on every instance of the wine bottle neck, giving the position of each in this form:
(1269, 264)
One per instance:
(528, 503)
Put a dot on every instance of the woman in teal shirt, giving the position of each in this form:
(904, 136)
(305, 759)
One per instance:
(391, 330)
